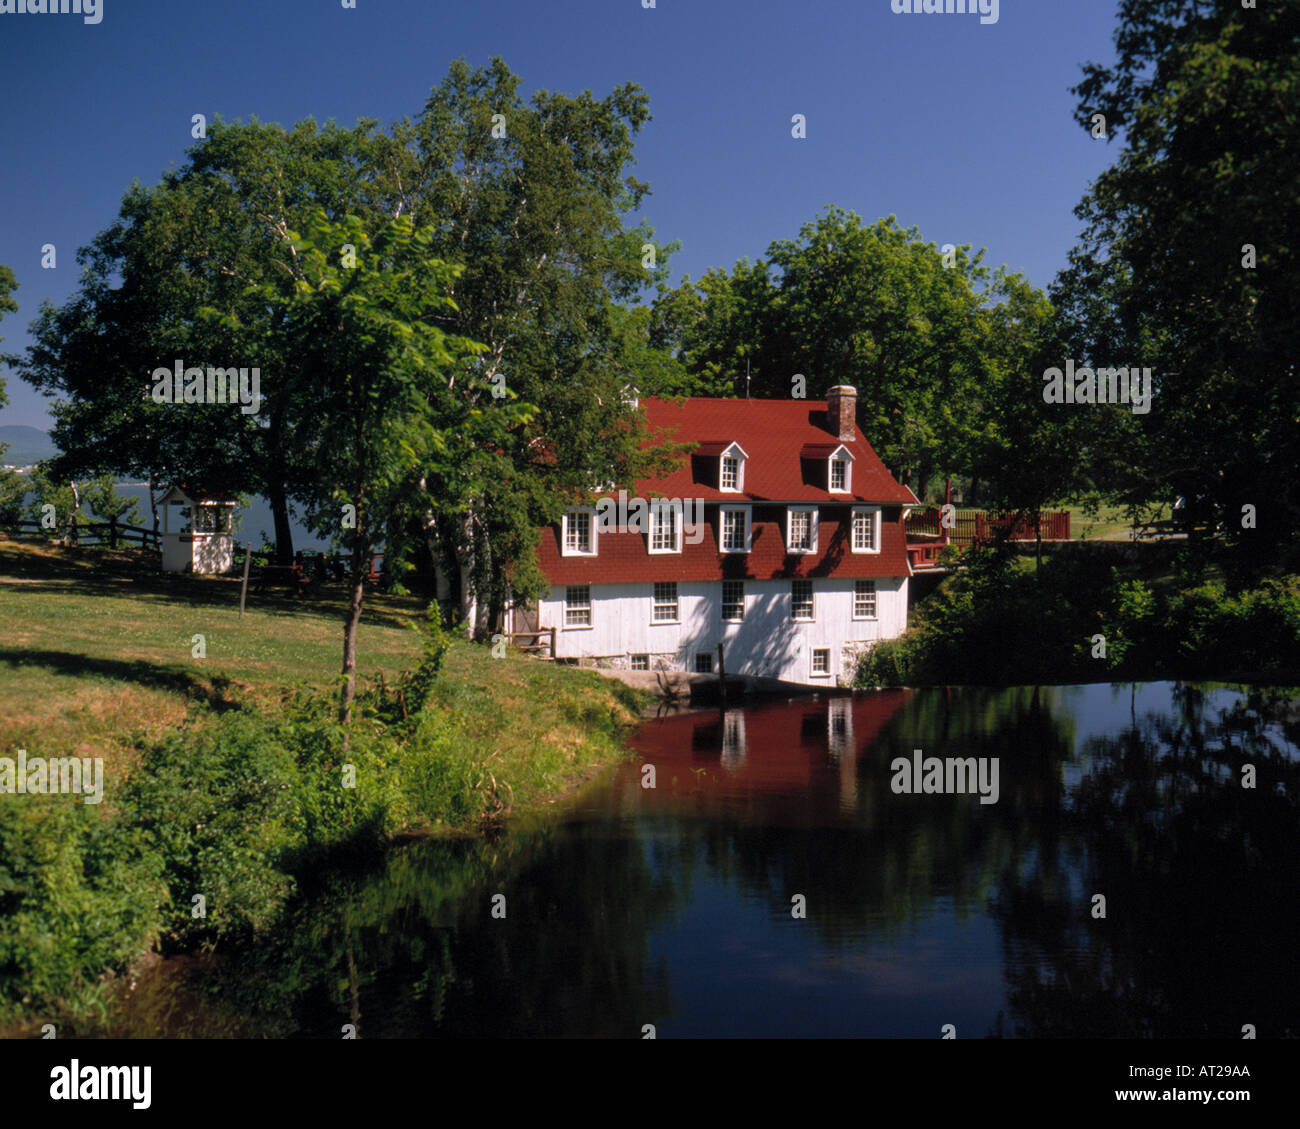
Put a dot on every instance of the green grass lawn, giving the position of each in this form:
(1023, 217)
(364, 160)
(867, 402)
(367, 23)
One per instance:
(220, 776)
(1110, 522)
(98, 652)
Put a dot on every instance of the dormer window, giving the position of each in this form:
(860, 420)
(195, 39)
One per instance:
(579, 534)
(731, 469)
(839, 470)
(666, 527)
(730, 473)
(828, 465)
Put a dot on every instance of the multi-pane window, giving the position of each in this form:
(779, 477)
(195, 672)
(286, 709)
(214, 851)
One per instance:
(663, 529)
(733, 599)
(577, 606)
(703, 662)
(730, 473)
(864, 531)
(864, 599)
(640, 662)
(801, 531)
(665, 602)
(839, 474)
(821, 660)
(577, 532)
(801, 599)
(733, 531)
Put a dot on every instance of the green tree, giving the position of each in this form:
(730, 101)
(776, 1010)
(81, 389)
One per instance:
(530, 197)
(206, 236)
(377, 398)
(12, 485)
(105, 503)
(847, 303)
(63, 495)
(1190, 239)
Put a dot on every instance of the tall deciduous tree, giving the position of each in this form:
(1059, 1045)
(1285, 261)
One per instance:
(1192, 237)
(201, 238)
(848, 303)
(531, 197)
(378, 396)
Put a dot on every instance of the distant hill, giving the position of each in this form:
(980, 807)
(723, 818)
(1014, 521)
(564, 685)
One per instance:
(26, 445)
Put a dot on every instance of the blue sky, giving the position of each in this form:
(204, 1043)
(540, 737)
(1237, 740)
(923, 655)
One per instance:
(960, 129)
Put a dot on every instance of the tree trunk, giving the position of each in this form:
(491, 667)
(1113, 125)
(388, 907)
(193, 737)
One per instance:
(276, 493)
(357, 585)
(280, 514)
(465, 567)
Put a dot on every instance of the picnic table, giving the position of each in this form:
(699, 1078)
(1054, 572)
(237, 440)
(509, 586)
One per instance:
(285, 576)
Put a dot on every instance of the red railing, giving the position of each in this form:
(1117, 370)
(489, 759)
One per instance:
(926, 533)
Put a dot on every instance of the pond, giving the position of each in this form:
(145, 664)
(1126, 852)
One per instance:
(774, 882)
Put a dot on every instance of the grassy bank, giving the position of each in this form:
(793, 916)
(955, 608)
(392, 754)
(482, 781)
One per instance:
(227, 778)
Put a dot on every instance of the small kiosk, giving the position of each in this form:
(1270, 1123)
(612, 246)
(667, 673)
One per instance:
(197, 531)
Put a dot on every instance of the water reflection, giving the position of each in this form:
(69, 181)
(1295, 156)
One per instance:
(672, 905)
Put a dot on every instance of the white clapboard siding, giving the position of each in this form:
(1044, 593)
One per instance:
(767, 642)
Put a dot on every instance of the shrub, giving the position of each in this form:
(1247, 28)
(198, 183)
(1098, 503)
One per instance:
(78, 894)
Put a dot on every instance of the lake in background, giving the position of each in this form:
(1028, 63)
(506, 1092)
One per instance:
(672, 906)
(252, 522)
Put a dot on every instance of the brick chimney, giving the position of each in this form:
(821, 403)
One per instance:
(841, 411)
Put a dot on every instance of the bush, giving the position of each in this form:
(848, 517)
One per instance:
(78, 894)
(994, 624)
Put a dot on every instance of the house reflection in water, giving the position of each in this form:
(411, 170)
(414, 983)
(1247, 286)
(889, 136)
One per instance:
(806, 752)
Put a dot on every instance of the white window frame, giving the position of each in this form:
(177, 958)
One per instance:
(812, 528)
(591, 614)
(875, 600)
(874, 513)
(632, 664)
(737, 452)
(656, 603)
(593, 529)
(708, 655)
(813, 652)
(747, 516)
(723, 605)
(811, 617)
(657, 512)
(841, 454)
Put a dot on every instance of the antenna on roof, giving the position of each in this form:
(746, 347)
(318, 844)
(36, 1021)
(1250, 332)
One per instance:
(746, 378)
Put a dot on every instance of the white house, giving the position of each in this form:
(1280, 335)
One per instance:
(197, 532)
(798, 562)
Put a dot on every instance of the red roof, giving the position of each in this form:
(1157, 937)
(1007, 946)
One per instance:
(623, 556)
(774, 434)
(777, 436)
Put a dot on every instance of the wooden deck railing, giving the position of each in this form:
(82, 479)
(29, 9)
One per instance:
(98, 532)
(971, 526)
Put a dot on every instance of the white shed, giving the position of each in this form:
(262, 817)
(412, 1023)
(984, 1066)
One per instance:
(197, 531)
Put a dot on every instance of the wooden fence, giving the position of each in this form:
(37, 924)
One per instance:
(111, 533)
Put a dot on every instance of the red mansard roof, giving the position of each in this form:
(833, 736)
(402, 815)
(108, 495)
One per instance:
(784, 441)
(774, 434)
